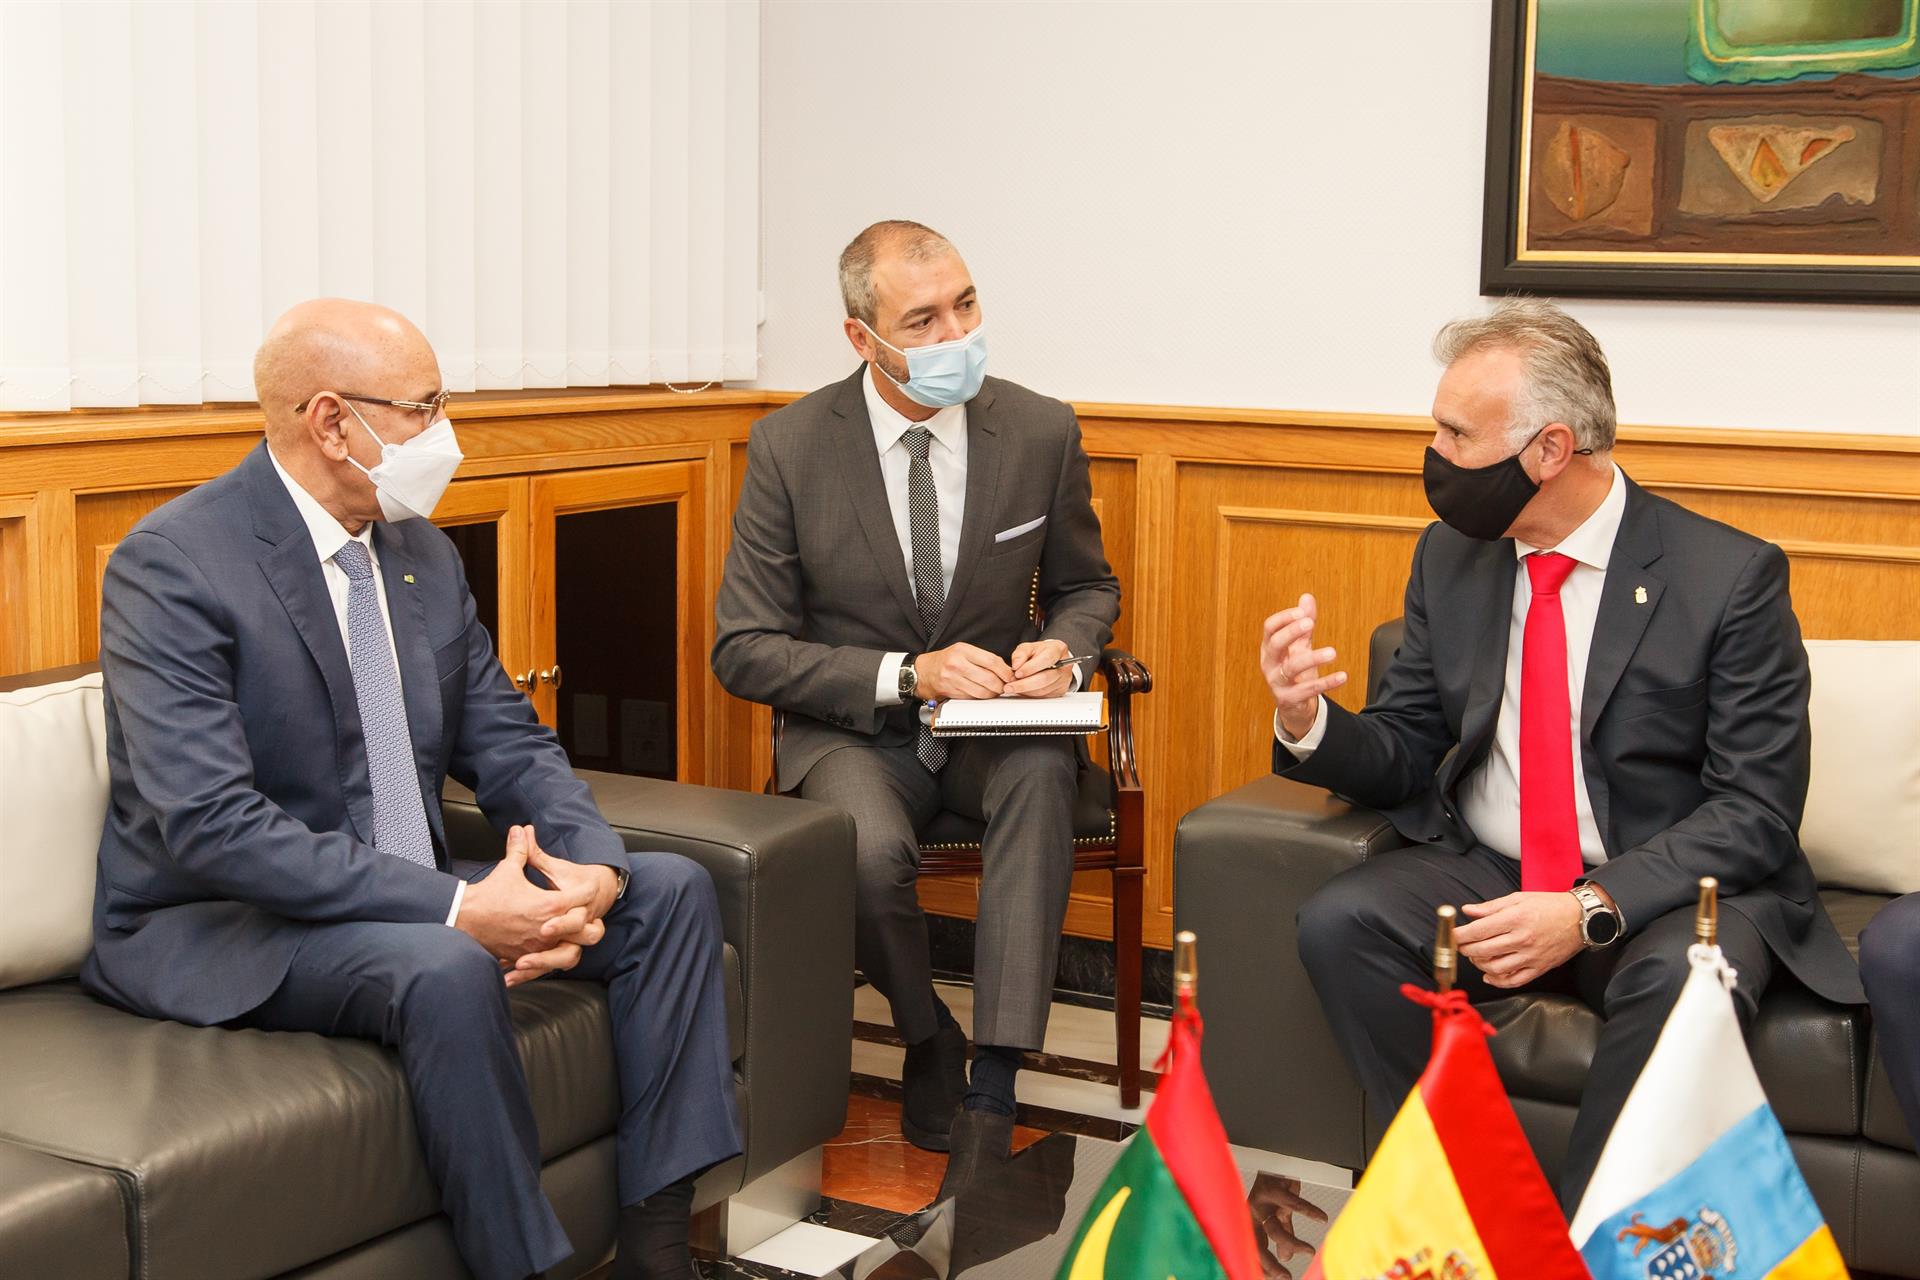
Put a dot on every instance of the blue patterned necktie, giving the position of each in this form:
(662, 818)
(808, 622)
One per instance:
(399, 814)
(929, 582)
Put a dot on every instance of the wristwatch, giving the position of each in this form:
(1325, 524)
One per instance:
(1600, 924)
(909, 678)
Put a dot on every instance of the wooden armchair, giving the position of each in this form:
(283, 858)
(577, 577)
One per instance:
(1108, 835)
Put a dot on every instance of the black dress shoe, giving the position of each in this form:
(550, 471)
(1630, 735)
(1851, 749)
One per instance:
(932, 1083)
(982, 1143)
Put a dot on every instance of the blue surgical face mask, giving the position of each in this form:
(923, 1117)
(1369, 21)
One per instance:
(944, 374)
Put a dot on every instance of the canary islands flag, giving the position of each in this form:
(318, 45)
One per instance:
(1453, 1192)
(1696, 1180)
(1173, 1205)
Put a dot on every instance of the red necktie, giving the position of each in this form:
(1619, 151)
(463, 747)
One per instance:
(1549, 827)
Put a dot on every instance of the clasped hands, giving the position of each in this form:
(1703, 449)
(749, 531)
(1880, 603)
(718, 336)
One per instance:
(529, 929)
(968, 671)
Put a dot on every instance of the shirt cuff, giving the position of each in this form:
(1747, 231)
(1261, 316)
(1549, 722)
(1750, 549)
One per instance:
(459, 893)
(1310, 741)
(1079, 678)
(886, 688)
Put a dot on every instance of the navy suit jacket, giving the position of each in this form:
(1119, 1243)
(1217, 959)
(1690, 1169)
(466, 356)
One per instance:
(1694, 735)
(240, 813)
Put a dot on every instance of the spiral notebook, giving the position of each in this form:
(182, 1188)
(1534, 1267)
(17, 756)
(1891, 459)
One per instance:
(986, 717)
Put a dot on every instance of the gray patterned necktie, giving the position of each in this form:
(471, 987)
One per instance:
(399, 814)
(929, 584)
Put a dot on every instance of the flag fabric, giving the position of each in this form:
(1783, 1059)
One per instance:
(1173, 1206)
(1696, 1180)
(1453, 1192)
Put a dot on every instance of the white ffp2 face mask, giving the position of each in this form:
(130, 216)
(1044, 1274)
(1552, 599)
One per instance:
(410, 478)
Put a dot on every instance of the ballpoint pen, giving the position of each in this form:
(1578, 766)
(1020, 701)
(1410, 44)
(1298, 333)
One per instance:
(1067, 661)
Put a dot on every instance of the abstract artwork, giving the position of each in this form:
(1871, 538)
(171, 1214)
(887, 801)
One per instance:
(1705, 148)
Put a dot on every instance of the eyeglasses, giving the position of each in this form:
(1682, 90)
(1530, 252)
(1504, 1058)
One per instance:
(432, 408)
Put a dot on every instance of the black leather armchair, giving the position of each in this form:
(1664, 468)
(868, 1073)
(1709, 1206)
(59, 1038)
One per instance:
(137, 1147)
(1245, 862)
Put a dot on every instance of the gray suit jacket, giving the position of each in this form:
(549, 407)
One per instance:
(816, 592)
(241, 814)
(1693, 724)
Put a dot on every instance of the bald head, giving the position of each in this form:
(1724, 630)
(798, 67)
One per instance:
(337, 344)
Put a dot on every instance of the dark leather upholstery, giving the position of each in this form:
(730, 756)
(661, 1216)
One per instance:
(1245, 862)
(58, 1218)
(298, 1152)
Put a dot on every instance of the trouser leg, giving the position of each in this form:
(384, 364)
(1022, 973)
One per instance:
(437, 997)
(890, 795)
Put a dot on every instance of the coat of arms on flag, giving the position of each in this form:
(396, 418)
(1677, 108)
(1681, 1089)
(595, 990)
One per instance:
(1696, 1181)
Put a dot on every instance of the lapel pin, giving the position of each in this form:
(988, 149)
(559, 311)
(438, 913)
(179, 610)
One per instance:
(408, 578)
(1639, 594)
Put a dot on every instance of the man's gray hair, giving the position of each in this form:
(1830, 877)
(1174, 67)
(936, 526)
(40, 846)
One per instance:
(1567, 379)
(914, 242)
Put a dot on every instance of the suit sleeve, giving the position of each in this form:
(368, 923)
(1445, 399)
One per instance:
(1078, 590)
(1759, 752)
(515, 765)
(168, 655)
(1388, 753)
(759, 614)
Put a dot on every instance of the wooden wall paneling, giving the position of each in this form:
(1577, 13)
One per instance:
(100, 519)
(19, 614)
(505, 502)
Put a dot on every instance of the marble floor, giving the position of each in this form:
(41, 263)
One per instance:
(874, 1180)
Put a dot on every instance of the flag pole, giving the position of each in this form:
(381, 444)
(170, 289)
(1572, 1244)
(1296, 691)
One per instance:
(1445, 960)
(1186, 967)
(1706, 918)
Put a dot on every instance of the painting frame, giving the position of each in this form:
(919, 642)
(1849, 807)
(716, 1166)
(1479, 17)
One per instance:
(1506, 269)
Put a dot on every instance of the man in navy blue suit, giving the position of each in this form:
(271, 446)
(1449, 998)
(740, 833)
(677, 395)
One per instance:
(293, 668)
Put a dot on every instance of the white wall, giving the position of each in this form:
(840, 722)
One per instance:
(1249, 204)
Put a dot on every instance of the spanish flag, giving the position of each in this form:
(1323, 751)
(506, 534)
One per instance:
(1173, 1205)
(1454, 1192)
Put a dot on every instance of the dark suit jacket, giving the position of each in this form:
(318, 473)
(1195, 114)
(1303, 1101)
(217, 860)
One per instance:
(816, 592)
(1694, 735)
(240, 810)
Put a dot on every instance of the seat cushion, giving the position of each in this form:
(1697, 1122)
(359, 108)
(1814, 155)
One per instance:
(285, 1147)
(59, 1219)
(53, 791)
(1863, 797)
(1808, 1054)
(1092, 816)
(1883, 1122)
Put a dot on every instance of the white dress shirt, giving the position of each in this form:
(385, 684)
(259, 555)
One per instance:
(1490, 795)
(329, 535)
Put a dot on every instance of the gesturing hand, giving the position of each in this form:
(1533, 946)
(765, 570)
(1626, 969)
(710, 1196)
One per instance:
(959, 671)
(506, 913)
(1274, 1203)
(1292, 665)
(1514, 939)
(1033, 674)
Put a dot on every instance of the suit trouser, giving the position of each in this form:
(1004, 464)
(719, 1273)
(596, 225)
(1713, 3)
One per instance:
(1370, 928)
(1023, 789)
(437, 996)
(1890, 970)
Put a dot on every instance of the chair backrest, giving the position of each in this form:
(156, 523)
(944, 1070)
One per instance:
(1863, 797)
(53, 791)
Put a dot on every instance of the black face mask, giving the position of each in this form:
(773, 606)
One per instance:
(1481, 502)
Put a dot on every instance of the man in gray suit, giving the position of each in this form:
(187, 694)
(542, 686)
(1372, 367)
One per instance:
(293, 668)
(894, 532)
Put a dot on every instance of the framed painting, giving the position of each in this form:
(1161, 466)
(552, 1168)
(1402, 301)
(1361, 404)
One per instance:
(1704, 148)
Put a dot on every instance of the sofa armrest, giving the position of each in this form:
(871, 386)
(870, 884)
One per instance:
(1243, 865)
(783, 868)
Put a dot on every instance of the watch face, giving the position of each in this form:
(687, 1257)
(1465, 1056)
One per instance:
(1601, 928)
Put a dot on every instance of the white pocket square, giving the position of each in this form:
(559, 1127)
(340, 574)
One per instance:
(1019, 529)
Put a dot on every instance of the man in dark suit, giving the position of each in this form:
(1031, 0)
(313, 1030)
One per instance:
(1600, 698)
(884, 556)
(293, 667)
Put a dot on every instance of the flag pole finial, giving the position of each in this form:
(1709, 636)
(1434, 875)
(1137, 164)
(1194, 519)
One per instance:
(1706, 919)
(1445, 960)
(1186, 965)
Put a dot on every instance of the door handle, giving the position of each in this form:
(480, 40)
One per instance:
(525, 680)
(552, 675)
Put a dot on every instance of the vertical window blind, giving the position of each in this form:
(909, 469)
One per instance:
(559, 192)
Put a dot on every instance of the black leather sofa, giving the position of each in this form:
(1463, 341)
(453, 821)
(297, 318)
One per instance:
(1245, 862)
(134, 1148)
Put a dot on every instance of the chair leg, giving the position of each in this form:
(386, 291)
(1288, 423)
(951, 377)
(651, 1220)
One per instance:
(1127, 926)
